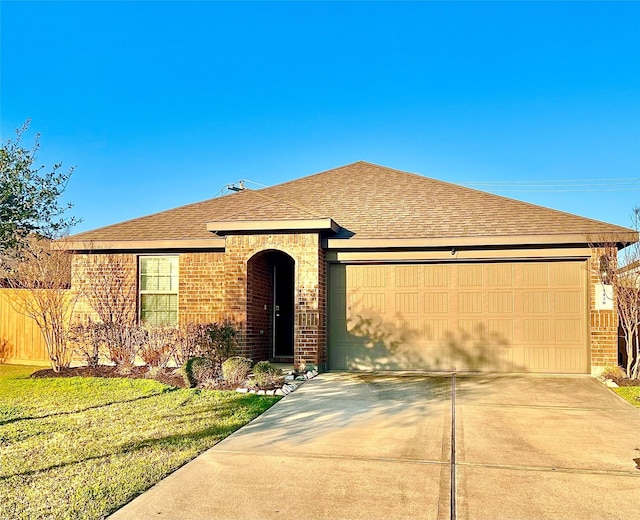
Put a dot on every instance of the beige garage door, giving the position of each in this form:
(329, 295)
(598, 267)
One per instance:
(503, 316)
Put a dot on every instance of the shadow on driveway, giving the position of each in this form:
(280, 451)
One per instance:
(369, 446)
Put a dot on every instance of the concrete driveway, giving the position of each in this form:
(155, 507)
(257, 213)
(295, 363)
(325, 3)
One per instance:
(348, 446)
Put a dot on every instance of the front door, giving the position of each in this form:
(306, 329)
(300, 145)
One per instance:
(283, 289)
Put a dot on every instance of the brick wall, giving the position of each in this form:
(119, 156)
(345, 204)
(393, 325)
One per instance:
(259, 306)
(217, 286)
(603, 323)
(201, 291)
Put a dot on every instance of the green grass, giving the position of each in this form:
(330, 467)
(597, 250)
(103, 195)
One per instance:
(629, 393)
(83, 447)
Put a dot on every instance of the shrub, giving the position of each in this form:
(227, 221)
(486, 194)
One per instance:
(613, 371)
(198, 370)
(189, 341)
(160, 346)
(265, 375)
(223, 340)
(123, 342)
(235, 370)
(5, 350)
(87, 341)
(217, 341)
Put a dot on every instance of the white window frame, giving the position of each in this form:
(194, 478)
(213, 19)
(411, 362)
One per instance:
(142, 292)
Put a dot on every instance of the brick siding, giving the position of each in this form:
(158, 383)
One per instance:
(236, 285)
(603, 323)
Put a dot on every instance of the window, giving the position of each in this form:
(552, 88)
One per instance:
(159, 290)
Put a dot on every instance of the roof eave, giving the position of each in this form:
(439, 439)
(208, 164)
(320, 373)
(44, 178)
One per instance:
(141, 245)
(224, 227)
(621, 239)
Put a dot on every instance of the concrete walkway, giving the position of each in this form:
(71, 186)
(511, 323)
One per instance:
(348, 446)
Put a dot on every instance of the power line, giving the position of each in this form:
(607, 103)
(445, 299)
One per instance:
(559, 185)
(574, 190)
(556, 181)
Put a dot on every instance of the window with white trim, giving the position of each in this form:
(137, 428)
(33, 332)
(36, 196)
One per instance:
(159, 290)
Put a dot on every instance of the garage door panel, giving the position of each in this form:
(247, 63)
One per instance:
(500, 330)
(535, 274)
(406, 303)
(570, 358)
(500, 302)
(537, 358)
(469, 275)
(568, 330)
(500, 275)
(436, 303)
(535, 302)
(407, 275)
(470, 302)
(567, 302)
(566, 273)
(370, 303)
(436, 275)
(435, 330)
(536, 330)
(503, 316)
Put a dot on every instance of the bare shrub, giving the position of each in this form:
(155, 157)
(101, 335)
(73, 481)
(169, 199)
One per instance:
(189, 342)
(88, 340)
(160, 345)
(123, 343)
(107, 283)
(41, 279)
(5, 350)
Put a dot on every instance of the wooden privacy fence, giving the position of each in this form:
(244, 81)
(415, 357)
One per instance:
(20, 338)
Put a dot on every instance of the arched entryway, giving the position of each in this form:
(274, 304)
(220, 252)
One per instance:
(270, 306)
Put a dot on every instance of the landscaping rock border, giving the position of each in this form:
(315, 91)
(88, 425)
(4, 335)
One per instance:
(291, 383)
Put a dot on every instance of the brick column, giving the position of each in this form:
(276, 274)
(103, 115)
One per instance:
(603, 323)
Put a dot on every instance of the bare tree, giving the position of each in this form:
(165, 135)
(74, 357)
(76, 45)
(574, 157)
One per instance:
(625, 282)
(41, 281)
(107, 284)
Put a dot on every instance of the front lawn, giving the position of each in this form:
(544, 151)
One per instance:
(629, 393)
(83, 447)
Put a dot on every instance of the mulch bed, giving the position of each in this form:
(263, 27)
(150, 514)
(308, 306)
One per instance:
(623, 381)
(168, 376)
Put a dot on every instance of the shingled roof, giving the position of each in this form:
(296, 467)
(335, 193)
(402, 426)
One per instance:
(367, 201)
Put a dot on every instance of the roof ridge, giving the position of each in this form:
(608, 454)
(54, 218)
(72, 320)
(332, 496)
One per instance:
(323, 172)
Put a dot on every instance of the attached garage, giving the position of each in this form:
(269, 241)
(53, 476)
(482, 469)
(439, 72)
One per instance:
(481, 316)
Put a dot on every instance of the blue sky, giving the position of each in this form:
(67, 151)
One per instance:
(160, 104)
